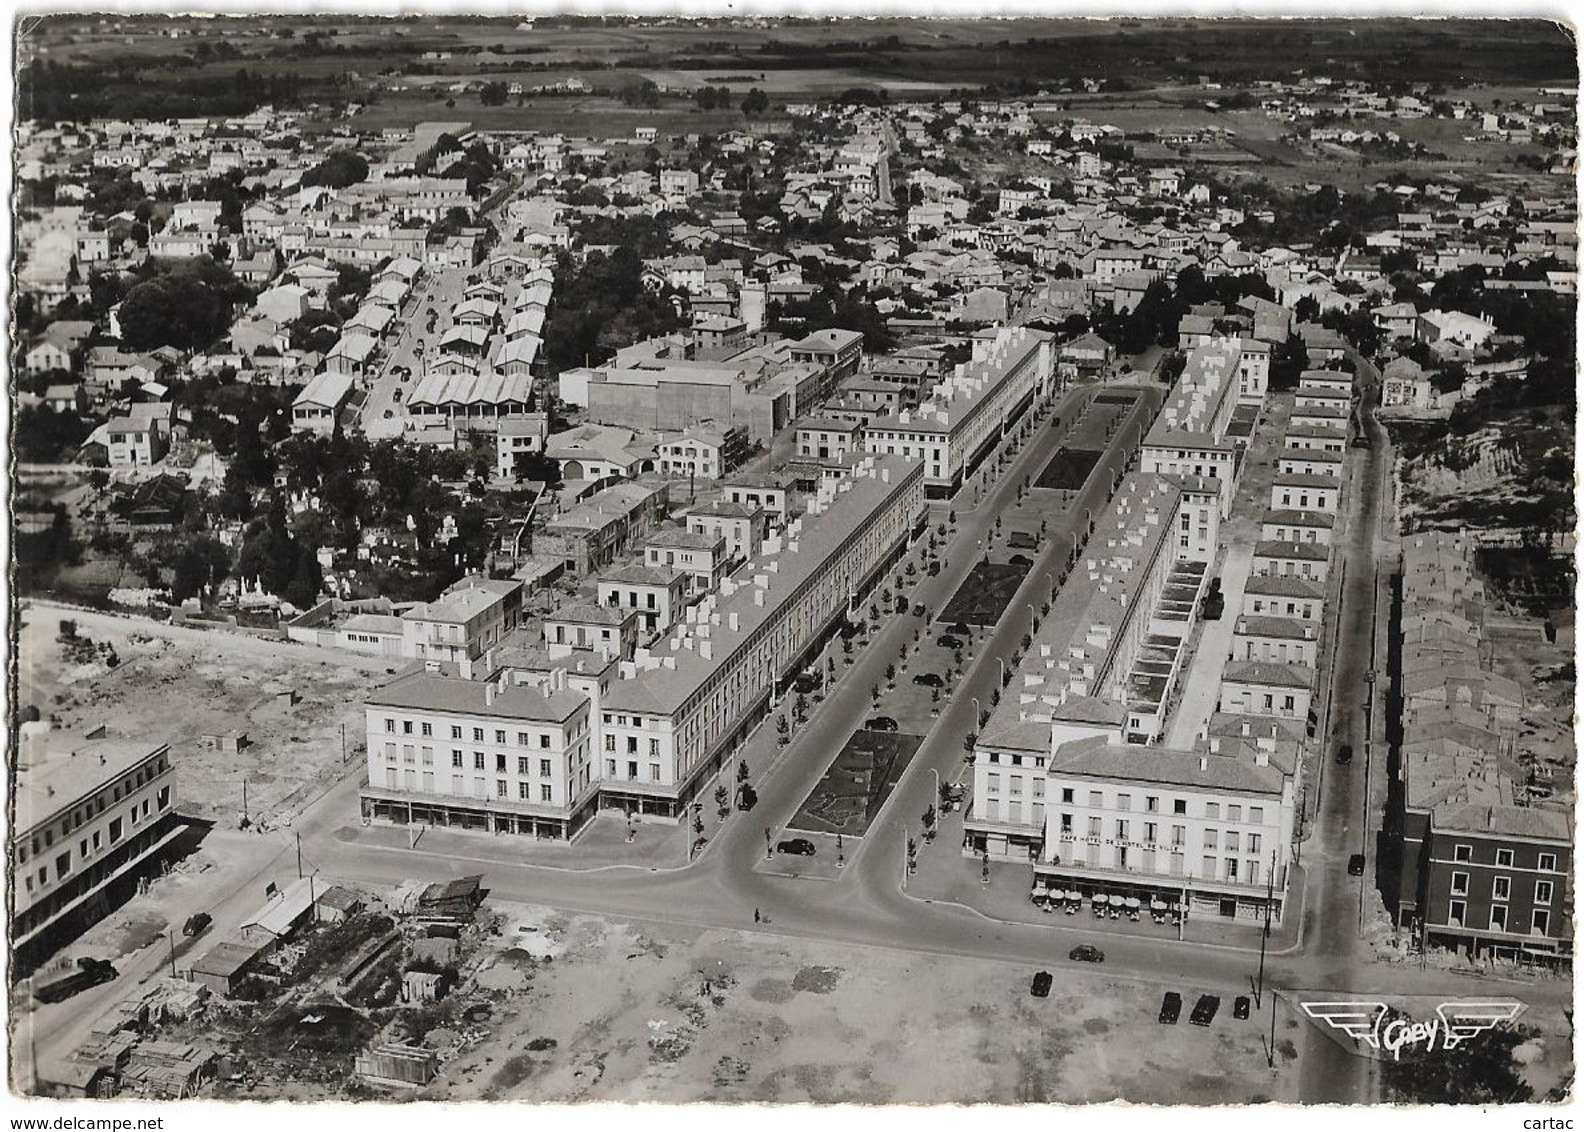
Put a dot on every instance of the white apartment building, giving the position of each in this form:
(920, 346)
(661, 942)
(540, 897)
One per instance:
(92, 816)
(480, 754)
(463, 624)
(967, 412)
(1209, 831)
(1189, 434)
(685, 704)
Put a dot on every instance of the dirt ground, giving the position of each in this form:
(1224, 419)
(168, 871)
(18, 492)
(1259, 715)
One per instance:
(628, 1013)
(190, 687)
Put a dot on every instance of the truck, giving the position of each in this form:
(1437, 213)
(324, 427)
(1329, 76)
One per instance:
(60, 985)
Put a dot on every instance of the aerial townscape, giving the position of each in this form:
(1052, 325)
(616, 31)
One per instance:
(759, 559)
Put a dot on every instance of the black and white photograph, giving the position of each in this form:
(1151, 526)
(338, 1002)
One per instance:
(761, 556)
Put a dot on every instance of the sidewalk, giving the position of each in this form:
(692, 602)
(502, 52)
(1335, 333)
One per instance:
(601, 845)
(946, 876)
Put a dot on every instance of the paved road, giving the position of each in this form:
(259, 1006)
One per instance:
(1331, 938)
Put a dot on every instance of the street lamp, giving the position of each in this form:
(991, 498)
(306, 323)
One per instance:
(936, 773)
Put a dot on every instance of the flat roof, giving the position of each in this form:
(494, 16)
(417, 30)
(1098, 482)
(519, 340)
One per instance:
(56, 770)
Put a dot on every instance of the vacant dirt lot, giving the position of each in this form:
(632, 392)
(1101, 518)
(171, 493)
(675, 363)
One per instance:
(627, 1012)
(191, 687)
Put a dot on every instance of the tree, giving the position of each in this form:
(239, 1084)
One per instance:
(755, 102)
(742, 771)
(1478, 1071)
(929, 823)
(338, 170)
(493, 94)
(722, 801)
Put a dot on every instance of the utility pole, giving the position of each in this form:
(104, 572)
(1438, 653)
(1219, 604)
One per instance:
(343, 744)
(1270, 894)
(244, 802)
(299, 856)
(171, 938)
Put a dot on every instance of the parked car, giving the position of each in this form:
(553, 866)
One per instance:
(1171, 1008)
(797, 846)
(1240, 1007)
(1204, 1010)
(1086, 953)
(747, 797)
(933, 568)
(1356, 865)
(880, 723)
(929, 680)
(919, 610)
(947, 641)
(1344, 754)
(806, 682)
(1041, 985)
(196, 924)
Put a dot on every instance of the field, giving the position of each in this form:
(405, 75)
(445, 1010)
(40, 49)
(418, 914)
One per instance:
(984, 594)
(857, 783)
(635, 1013)
(189, 687)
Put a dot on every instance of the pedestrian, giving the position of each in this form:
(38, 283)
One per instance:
(756, 915)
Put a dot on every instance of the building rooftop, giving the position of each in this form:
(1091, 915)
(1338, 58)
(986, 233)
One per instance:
(1237, 766)
(429, 691)
(669, 672)
(55, 770)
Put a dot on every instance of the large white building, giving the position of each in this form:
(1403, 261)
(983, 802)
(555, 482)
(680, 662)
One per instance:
(1103, 663)
(1189, 436)
(91, 817)
(643, 734)
(1209, 830)
(966, 413)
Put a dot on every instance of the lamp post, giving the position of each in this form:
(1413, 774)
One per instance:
(936, 773)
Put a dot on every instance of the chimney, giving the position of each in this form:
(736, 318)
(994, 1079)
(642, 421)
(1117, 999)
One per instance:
(1204, 763)
(489, 694)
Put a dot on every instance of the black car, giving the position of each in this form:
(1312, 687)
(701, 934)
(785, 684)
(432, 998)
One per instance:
(1356, 865)
(947, 641)
(797, 846)
(880, 723)
(920, 610)
(929, 680)
(1240, 1007)
(1344, 754)
(1086, 953)
(1041, 985)
(196, 924)
(1204, 1010)
(1171, 1008)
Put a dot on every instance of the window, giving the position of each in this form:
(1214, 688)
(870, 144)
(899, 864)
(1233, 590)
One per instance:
(1067, 795)
(1234, 813)
(610, 768)
(1096, 799)
(1207, 866)
(1232, 841)
(522, 766)
(1501, 888)
(1231, 869)
(1124, 802)
(1179, 805)
(992, 784)
(1547, 863)
(1460, 884)
(1121, 830)
(545, 794)
(478, 735)
(654, 772)
(524, 792)
(544, 742)
(1257, 815)
(632, 770)
(1254, 843)
(1212, 838)
(1179, 834)
(1094, 827)
(1213, 811)
(63, 864)
(407, 727)
(1066, 823)
(632, 745)
(610, 744)
(1542, 921)
(390, 752)
(1504, 858)
(1462, 852)
(390, 726)
(1151, 803)
(456, 732)
(500, 738)
(1542, 893)
(544, 768)
(500, 788)
(428, 730)
(1498, 917)
(522, 738)
(654, 748)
